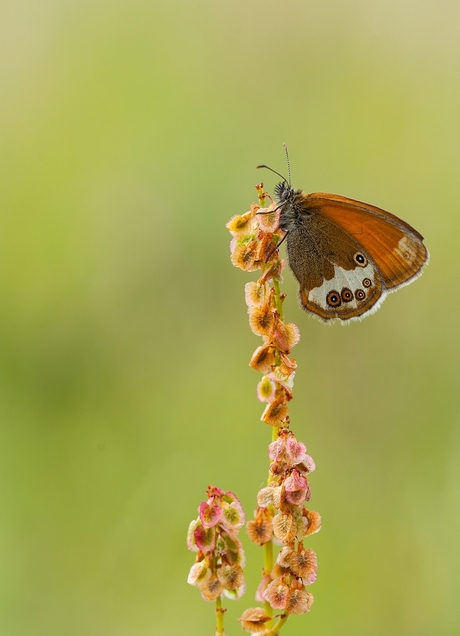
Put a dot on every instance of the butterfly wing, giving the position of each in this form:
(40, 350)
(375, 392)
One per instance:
(395, 246)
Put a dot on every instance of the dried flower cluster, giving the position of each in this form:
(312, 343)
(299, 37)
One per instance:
(253, 247)
(220, 559)
(281, 513)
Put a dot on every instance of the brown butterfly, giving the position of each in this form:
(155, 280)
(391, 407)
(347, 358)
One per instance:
(346, 255)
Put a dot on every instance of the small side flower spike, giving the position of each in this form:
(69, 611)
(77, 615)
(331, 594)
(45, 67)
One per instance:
(218, 568)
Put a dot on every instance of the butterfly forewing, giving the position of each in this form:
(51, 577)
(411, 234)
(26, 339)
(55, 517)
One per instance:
(394, 245)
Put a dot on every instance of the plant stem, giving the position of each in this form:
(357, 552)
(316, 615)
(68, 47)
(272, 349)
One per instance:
(278, 299)
(278, 625)
(220, 611)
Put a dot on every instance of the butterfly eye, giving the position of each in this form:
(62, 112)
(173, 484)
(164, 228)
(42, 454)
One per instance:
(333, 299)
(360, 294)
(367, 282)
(360, 259)
(347, 295)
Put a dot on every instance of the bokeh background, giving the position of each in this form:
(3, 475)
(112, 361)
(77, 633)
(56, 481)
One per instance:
(130, 132)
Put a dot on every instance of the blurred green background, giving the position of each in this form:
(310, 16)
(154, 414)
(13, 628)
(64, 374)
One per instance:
(129, 135)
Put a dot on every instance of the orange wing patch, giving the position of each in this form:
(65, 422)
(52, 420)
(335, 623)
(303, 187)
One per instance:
(393, 244)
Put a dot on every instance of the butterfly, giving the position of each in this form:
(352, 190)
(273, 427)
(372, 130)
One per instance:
(346, 255)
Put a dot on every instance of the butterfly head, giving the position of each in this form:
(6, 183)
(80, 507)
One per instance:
(284, 192)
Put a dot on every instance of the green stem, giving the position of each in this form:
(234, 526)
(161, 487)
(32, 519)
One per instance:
(278, 300)
(220, 611)
(278, 625)
(268, 566)
(268, 547)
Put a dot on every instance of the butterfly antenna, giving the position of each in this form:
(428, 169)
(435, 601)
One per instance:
(271, 169)
(288, 162)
